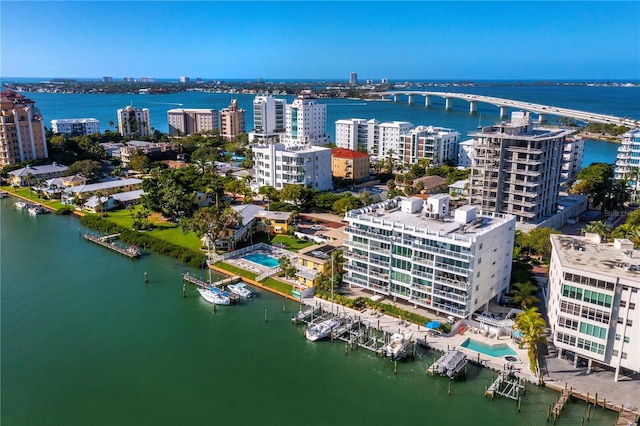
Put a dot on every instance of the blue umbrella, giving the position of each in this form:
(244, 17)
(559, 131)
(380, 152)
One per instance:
(433, 324)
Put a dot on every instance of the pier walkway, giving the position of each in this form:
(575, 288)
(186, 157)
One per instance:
(131, 252)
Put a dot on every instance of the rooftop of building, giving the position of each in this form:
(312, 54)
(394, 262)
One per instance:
(183, 110)
(463, 223)
(74, 120)
(39, 170)
(322, 253)
(348, 153)
(100, 186)
(616, 260)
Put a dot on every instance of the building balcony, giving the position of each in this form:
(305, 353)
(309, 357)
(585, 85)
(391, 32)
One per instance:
(379, 250)
(449, 308)
(524, 213)
(357, 245)
(523, 203)
(451, 268)
(457, 284)
(353, 268)
(452, 296)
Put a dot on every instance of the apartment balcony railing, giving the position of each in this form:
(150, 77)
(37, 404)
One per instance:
(460, 285)
(357, 245)
(451, 268)
(452, 296)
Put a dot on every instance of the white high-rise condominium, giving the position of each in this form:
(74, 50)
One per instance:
(76, 126)
(277, 165)
(379, 139)
(628, 161)
(572, 154)
(268, 117)
(134, 122)
(184, 121)
(306, 122)
(353, 79)
(594, 301)
(435, 144)
(516, 168)
(415, 250)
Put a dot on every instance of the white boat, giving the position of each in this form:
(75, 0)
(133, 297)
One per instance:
(398, 343)
(21, 204)
(322, 329)
(34, 210)
(240, 290)
(215, 298)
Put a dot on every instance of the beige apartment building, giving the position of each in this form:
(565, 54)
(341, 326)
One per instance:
(349, 164)
(232, 121)
(22, 135)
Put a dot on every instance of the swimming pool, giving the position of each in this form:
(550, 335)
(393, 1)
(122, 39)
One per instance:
(263, 260)
(499, 350)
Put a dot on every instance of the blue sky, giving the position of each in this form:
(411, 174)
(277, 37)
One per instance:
(306, 40)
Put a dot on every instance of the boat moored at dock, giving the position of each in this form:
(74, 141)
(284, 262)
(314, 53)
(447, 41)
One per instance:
(322, 329)
(240, 289)
(214, 297)
(398, 345)
(451, 364)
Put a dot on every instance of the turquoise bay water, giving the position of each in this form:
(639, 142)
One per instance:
(617, 101)
(262, 259)
(496, 351)
(84, 341)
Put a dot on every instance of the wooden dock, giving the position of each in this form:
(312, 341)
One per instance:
(131, 252)
(507, 385)
(218, 284)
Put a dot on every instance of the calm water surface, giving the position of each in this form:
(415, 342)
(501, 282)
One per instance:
(618, 101)
(86, 342)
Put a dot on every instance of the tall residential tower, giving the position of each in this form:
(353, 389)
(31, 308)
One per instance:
(22, 135)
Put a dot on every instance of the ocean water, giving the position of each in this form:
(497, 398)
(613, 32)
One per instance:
(618, 101)
(85, 341)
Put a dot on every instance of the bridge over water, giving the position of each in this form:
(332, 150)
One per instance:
(543, 111)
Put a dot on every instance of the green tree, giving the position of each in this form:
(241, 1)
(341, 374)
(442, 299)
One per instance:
(236, 187)
(532, 326)
(594, 181)
(268, 192)
(90, 169)
(139, 162)
(293, 193)
(598, 227)
(345, 204)
(523, 293)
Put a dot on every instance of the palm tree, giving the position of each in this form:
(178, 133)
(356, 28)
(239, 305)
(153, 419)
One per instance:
(616, 196)
(523, 293)
(531, 325)
(598, 227)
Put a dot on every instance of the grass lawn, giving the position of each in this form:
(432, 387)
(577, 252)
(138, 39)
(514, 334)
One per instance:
(235, 270)
(165, 231)
(292, 243)
(277, 285)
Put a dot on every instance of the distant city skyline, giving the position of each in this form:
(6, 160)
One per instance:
(322, 40)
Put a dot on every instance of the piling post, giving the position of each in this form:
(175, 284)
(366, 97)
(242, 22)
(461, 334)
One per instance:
(588, 412)
(146, 277)
(449, 391)
(184, 290)
(378, 325)
(595, 400)
(524, 387)
(346, 348)
(519, 404)
(214, 308)
(478, 357)
(582, 421)
(548, 413)
(604, 403)
(395, 368)
(587, 398)
(284, 307)
(265, 315)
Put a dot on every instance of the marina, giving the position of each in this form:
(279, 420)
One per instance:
(152, 329)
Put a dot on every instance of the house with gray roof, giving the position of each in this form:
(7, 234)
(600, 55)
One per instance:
(30, 175)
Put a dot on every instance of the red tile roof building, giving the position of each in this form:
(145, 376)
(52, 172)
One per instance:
(350, 165)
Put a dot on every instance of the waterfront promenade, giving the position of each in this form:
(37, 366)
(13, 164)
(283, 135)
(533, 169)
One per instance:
(558, 373)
